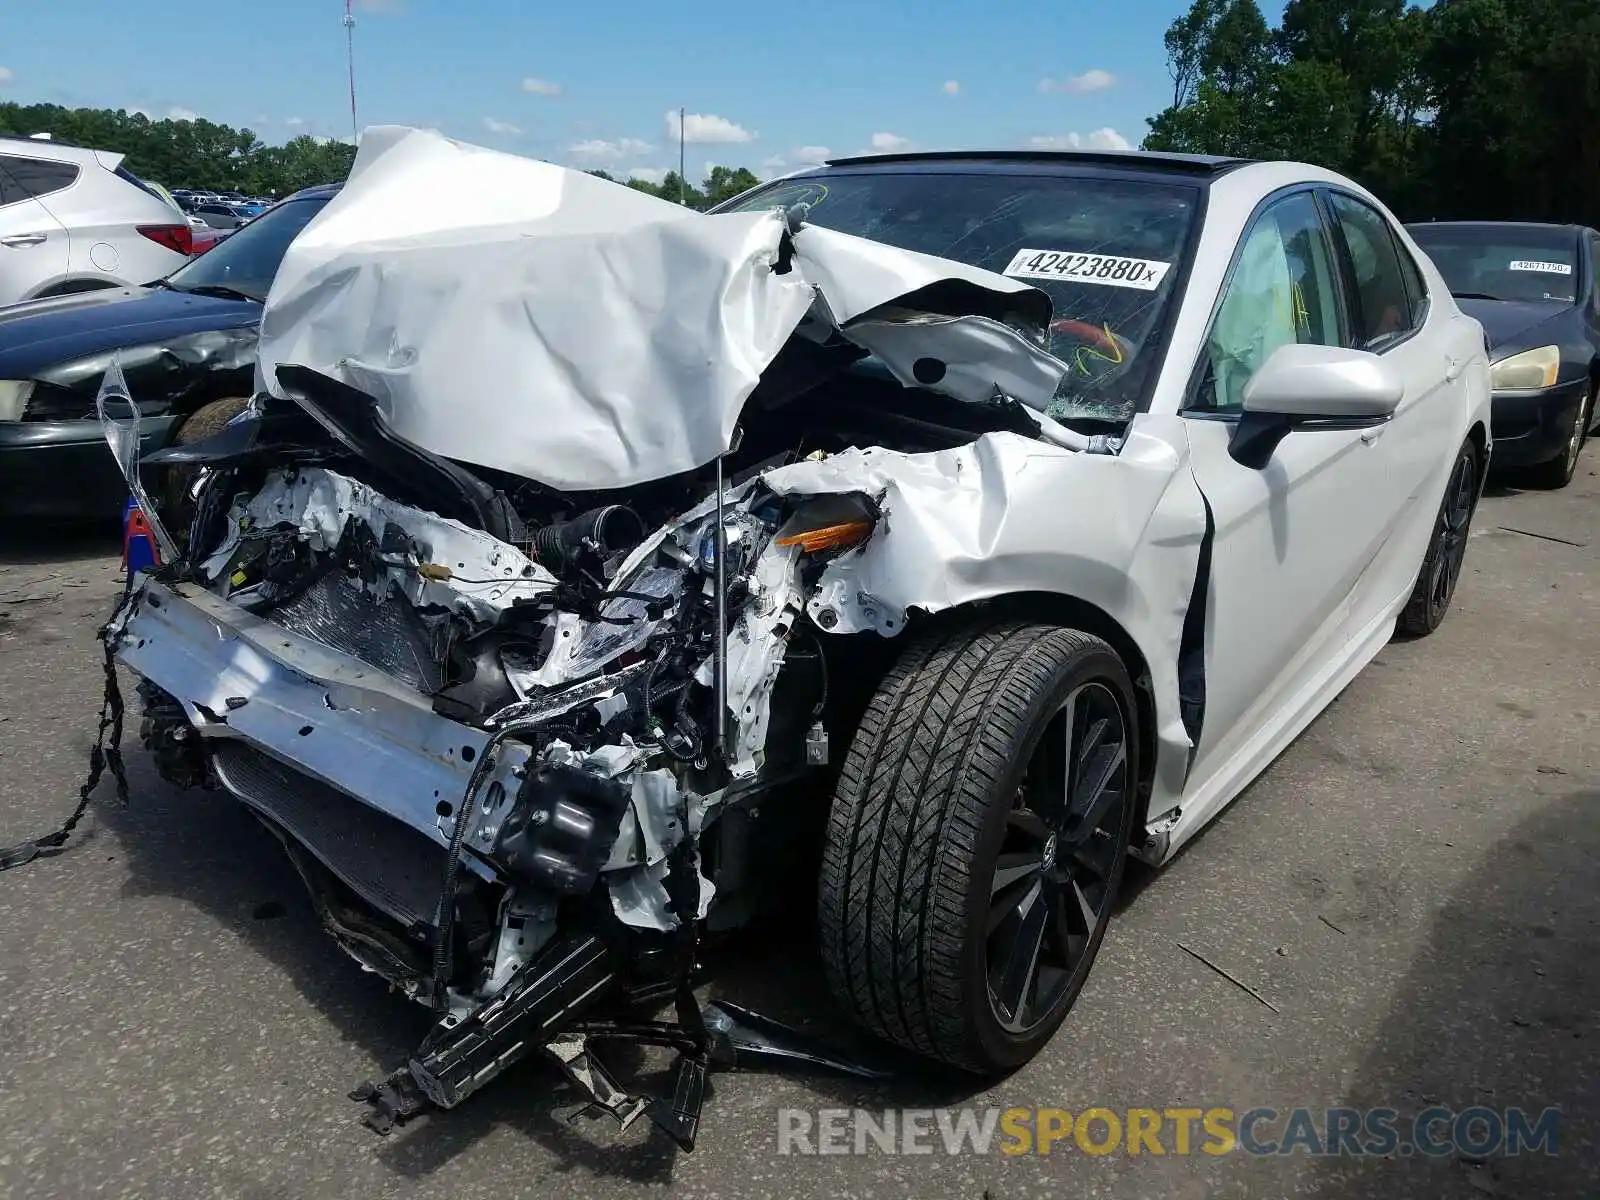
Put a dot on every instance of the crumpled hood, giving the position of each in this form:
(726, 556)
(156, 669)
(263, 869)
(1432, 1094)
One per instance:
(525, 317)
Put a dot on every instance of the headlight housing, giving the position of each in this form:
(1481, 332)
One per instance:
(1530, 369)
(830, 522)
(14, 398)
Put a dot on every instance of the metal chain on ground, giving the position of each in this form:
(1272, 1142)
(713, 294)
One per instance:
(106, 752)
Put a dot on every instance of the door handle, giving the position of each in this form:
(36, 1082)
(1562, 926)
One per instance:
(1371, 435)
(1452, 372)
(23, 239)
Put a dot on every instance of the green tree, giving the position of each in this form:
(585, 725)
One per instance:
(196, 154)
(1469, 108)
(1220, 56)
(724, 183)
(668, 189)
(1186, 41)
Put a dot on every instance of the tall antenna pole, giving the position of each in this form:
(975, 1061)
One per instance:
(681, 182)
(350, 61)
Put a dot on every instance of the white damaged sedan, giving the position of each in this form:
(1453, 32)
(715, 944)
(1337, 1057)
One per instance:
(923, 533)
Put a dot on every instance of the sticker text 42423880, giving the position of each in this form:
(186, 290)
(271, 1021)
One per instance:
(1110, 269)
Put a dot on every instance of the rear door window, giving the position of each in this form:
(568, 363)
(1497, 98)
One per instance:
(36, 177)
(1383, 301)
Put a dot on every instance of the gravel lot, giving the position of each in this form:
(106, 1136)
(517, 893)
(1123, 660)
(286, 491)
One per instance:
(1414, 886)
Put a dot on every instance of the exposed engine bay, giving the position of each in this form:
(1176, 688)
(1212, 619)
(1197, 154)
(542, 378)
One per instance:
(612, 684)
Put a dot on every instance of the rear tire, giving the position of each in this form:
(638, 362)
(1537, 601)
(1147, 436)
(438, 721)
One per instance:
(1447, 548)
(977, 840)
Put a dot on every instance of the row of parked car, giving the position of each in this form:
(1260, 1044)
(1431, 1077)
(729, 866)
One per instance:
(220, 210)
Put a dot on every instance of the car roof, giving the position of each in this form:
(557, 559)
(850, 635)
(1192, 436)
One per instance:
(48, 148)
(321, 191)
(1543, 226)
(1199, 166)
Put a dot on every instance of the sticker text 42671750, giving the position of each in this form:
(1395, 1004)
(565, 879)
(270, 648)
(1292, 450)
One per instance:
(1112, 270)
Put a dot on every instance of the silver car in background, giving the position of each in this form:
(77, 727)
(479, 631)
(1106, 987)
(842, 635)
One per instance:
(72, 220)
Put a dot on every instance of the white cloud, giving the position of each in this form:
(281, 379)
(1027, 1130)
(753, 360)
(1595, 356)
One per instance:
(141, 112)
(504, 128)
(1100, 139)
(178, 113)
(540, 87)
(6, 77)
(706, 127)
(891, 143)
(294, 122)
(806, 155)
(648, 174)
(1092, 80)
(601, 150)
(263, 120)
(952, 87)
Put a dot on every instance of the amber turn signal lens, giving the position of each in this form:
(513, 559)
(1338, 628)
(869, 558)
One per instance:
(829, 537)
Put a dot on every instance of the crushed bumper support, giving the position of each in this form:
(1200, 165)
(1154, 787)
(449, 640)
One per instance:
(738, 1038)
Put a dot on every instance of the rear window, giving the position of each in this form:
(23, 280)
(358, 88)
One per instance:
(124, 174)
(34, 177)
(1503, 262)
(1106, 251)
(248, 260)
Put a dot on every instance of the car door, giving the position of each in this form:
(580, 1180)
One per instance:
(1293, 538)
(33, 245)
(1393, 316)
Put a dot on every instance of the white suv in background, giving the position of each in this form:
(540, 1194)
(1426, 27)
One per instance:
(73, 219)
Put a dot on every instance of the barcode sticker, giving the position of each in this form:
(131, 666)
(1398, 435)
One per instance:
(1112, 270)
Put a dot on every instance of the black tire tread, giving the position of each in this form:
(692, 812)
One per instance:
(209, 419)
(202, 423)
(1416, 619)
(935, 742)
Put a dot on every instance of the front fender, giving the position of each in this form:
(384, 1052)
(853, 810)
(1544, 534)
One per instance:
(1008, 515)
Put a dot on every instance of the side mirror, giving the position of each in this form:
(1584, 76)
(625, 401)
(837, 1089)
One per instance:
(1324, 383)
(1312, 387)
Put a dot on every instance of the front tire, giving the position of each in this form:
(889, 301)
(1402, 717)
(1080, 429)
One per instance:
(977, 840)
(205, 421)
(1447, 548)
(1557, 472)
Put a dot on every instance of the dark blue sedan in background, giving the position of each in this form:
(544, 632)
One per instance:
(1536, 290)
(187, 348)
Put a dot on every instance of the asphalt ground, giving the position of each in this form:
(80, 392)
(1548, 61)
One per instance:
(1407, 903)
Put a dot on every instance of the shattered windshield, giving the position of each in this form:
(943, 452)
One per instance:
(1106, 251)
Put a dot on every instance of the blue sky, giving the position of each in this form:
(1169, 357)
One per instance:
(766, 85)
